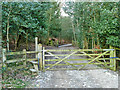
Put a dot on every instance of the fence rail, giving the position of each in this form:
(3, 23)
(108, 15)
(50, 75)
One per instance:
(20, 52)
(24, 58)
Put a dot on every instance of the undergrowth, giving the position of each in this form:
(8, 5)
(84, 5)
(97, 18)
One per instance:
(15, 78)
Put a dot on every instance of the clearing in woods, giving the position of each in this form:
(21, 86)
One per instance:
(96, 78)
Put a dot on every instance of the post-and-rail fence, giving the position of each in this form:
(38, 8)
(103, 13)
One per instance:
(104, 57)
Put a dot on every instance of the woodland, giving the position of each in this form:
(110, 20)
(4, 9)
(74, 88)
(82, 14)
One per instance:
(88, 25)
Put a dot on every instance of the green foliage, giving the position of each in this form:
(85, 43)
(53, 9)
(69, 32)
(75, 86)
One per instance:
(30, 19)
(13, 78)
(95, 21)
(66, 29)
(51, 43)
(53, 20)
(14, 83)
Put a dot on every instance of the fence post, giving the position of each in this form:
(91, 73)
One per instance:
(25, 57)
(3, 62)
(111, 59)
(114, 60)
(4, 56)
(36, 46)
(40, 56)
(43, 59)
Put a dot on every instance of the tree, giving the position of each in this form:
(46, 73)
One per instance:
(28, 20)
(66, 29)
(95, 23)
(53, 20)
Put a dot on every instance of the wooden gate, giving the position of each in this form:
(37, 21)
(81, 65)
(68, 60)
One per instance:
(104, 57)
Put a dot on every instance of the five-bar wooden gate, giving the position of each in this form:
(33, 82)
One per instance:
(104, 57)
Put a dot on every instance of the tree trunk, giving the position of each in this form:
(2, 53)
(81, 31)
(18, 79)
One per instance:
(8, 26)
(92, 43)
(49, 25)
(27, 41)
(74, 32)
(86, 43)
(98, 43)
(59, 38)
(16, 42)
(8, 34)
(1, 35)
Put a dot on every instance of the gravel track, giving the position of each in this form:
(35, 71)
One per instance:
(97, 78)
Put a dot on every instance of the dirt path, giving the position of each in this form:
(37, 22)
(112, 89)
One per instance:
(97, 78)
(76, 79)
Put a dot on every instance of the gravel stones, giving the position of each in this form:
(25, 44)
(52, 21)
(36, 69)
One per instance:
(100, 78)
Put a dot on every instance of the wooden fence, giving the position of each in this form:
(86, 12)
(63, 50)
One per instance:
(24, 58)
(41, 54)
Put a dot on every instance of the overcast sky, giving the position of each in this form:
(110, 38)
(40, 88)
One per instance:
(62, 11)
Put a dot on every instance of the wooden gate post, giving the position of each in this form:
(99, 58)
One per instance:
(43, 54)
(40, 56)
(25, 57)
(3, 62)
(36, 46)
(4, 56)
(114, 60)
(111, 59)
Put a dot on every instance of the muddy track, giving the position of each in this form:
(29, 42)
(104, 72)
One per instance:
(97, 78)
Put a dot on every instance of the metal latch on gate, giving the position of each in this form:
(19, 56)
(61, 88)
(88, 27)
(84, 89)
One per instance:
(108, 49)
(113, 57)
